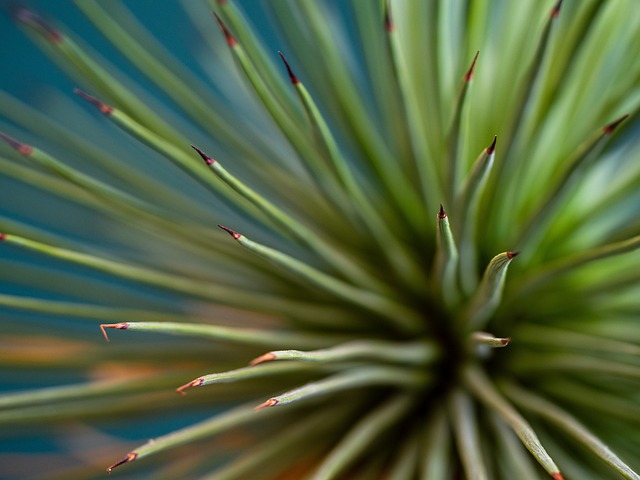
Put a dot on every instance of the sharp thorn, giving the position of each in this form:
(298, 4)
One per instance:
(234, 234)
(492, 148)
(442, 213)
(193, 383)
(103, 107)
(389, 26)
(208, 160)
(292, 76)
(231, 41)
(20, 147)
(469, 74)
(262, 358)
(269, 403)
(129, 458)
(118, 326)
(609, 128)
(30, 18)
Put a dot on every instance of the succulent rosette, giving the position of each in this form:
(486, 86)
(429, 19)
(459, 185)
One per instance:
(426, 264)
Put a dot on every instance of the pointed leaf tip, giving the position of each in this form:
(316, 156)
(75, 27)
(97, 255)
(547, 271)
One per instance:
(389, 26)
(609, 128)
(207, 159)
(489, 293)
(469, 74)
(103, 107)
(556, 9)
(231, 41)
(272, 402)
(442, 213)
(117, 326)
(2, 236)
(31, 19)
(193, 383)
(267, 357)
(235, 235)
(557, 476)
(492, 148)
(129, 458)
(104, 332)
(21, 148)
(292, 76)
(490, 340)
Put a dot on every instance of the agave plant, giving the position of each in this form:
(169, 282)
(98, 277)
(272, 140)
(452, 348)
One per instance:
(372, 184)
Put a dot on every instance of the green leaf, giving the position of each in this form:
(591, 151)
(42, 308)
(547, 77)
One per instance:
(489, 293)
(483, 390)
(367, 430)
(465, 429)
(568, 424)
(349, 379)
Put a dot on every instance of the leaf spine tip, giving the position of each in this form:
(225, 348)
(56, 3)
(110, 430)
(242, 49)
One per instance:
(231, 41)
(117, 326)
(129, 458)
(207, 159)
(193, 383)
(512, 255)
(30, 18)
(103, 107)
(442, 214)
(556, 9)
(21, 148)
(389, 26)
(609, 128)
(267, 357)
(234, 234)
(469, 75)
(292, 76)
(269, 403)
(492, 148)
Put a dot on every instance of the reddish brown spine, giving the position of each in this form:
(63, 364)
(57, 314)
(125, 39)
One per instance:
(609, 128)
(207, 159)
(267, 357)
(117, 326)
(389, 26)
(193, 383)
(292, 76)
(231, 41)
(129, 458)
(103, 107)
(492, 148)
(20, 147)
(31, 19)
(269, 403)
(235, 235)
(469, 75)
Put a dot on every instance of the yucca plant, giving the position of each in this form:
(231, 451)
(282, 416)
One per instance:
(372, 187)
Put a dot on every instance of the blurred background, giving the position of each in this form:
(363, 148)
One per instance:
(45, 349)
